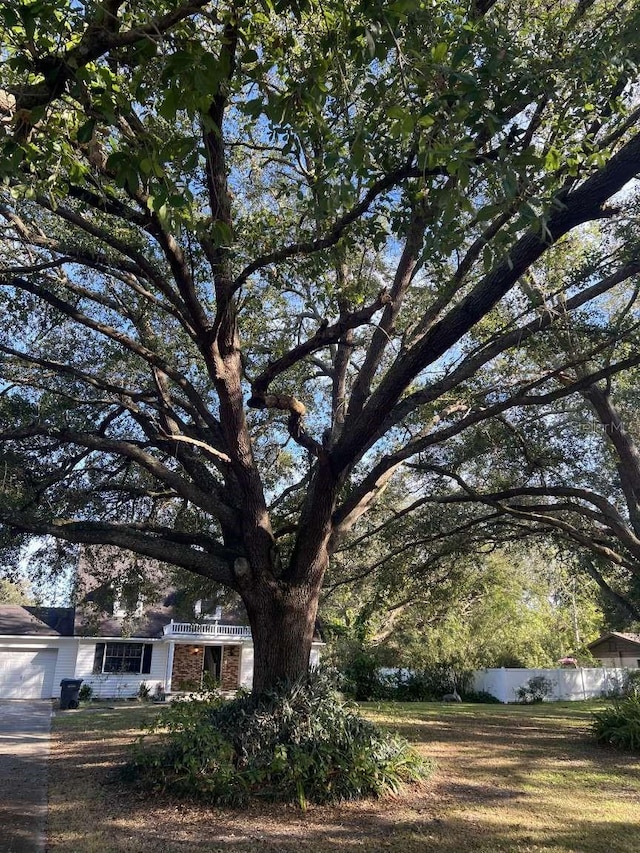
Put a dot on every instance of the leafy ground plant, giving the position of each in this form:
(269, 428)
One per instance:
(85, 693)
(535, 690)
(296, 743)
(619, 725)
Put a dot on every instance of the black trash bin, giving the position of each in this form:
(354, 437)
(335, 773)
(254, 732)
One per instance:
(69, 693)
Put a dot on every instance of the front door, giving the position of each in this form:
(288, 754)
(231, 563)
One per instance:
(212, 668)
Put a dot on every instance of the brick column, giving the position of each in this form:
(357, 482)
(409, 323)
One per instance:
(230, 677)
(187, 667)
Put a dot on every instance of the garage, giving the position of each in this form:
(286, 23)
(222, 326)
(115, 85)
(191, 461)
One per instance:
(27, 673)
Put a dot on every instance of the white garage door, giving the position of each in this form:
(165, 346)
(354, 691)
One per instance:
(27, 674)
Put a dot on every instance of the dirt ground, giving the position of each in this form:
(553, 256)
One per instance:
(514, 780)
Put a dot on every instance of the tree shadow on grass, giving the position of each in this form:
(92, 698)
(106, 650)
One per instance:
(328, 830)
(22, 800)
(481, 800)
(528, 741)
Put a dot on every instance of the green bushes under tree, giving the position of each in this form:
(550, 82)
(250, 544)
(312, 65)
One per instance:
(297, 743)
(619, 725)
(537, 689)
(364, 681)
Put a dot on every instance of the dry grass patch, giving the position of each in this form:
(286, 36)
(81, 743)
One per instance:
(522, 780)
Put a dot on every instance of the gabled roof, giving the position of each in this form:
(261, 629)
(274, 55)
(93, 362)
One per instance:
(102, 570)
(148, 625)
(619, 635)
(96, 581)
(22, 620)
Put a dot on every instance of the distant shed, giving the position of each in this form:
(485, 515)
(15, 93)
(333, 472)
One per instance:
(617, 649)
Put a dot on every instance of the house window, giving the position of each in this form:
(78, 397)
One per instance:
(123, 657)
(128, 601)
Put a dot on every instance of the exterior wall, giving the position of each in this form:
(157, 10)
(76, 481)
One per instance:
(231, 667)
(624, 661)
(247, 660)
(119, 685)
(66, 658)
(66, 663)
(76, 655)
(617, 650)
(568, 684)
(188, 661)
(246, 666)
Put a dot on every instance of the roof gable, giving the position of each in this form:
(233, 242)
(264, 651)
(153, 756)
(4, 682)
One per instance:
(146, 592)
(619, 637)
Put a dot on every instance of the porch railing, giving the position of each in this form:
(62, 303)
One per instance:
(208, 629)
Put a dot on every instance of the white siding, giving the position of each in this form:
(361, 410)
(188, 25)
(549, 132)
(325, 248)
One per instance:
(314, 657)
(66, 663)
(75, 658)
(247, 661)
(246, 665)
(114, 685)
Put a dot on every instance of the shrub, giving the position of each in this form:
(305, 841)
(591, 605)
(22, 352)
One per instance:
(619, 725)
(481, 697)
(144, 692)
(623, 684)
(432, 683)
(85, 694)
(297, 743)
(631, 686)
(535, 690)
(363, 681)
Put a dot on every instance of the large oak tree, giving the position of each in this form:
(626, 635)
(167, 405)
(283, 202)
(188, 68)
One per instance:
(258, 256)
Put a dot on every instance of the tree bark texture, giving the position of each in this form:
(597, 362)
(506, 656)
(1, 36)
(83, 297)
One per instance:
(282, 625)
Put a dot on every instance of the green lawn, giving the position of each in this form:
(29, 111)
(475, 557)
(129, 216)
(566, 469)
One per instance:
(509, 778)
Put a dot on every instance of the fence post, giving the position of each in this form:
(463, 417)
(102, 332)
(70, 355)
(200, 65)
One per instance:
(502, 685)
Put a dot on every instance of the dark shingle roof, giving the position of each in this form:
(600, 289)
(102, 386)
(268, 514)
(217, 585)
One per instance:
(632, 638)
(21, 620)
(635, 638)
(149, 625)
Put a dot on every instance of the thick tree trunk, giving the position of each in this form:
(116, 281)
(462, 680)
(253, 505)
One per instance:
(282, 624)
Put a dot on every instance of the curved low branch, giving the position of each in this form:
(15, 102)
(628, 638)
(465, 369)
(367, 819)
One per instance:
(134, 452)
(471, 494)
(205, 563)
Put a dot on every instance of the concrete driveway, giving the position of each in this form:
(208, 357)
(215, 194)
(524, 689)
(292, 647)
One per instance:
(24, 752)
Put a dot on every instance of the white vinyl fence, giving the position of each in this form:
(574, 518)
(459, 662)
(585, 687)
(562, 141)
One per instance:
(568, 684)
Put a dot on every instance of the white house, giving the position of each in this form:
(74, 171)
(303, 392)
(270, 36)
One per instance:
(131, 625)
(39, 646)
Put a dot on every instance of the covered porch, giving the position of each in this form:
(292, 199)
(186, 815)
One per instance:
(214, 653)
